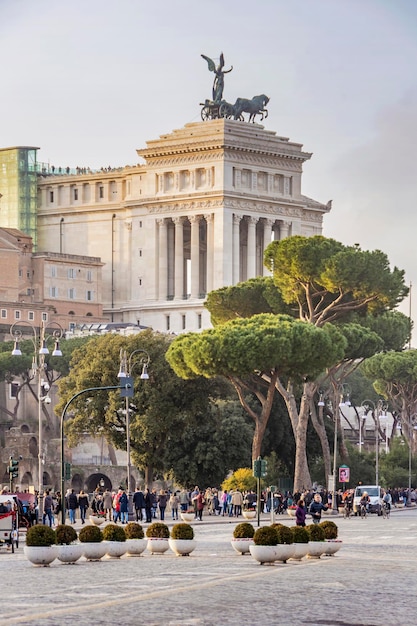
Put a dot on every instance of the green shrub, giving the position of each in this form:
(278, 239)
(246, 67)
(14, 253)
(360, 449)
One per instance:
(244, 530)
(315, 532)
(284, 533)
(300, 534)
(158, 530)
(134, 530)
(265, 536)
(65, 534)
(112, 532)
(40, 536)
(90, 534)
(330, 529)
(182, 531)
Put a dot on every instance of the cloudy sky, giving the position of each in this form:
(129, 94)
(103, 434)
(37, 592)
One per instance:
(89, 82)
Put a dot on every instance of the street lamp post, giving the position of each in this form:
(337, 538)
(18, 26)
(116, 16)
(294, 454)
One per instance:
(39, 341)
(377, 410)
(125, 373)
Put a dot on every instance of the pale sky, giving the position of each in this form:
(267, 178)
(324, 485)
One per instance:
(90, 81)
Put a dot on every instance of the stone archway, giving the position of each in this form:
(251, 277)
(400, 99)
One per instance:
(26, 480)
(33, 447)
(77, 483)
(98, 481)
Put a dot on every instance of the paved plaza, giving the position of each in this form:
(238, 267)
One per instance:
(372, 581)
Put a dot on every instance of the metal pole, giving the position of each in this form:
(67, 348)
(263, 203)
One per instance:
(376, 449)
(410, 433)
(64, 412)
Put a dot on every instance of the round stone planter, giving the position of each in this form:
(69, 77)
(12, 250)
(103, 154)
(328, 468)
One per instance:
(135, 547)
(291, 512)
(157, 546)
(332, 546)
(70, 553)
(40, 555)
(241, 545)
(115, 549)
(249, 514)
(94, 551)
(284, 551)
(263, 554)
(300, 551)
(187, 517)
(316, 549)
(95, 519)
(182, 547)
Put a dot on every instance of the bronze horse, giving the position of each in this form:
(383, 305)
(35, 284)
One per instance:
(254, 107)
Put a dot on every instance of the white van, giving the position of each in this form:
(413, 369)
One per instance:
(375, 495)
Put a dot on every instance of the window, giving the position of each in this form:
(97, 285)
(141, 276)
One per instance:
(4, 314)
(101, 192)
(20, 273)
(71, 272)
(168, 322)
(13, 390)
(53, 292)
(31, 316)
(140, 224)
(53, 271)
(199, 320)
(51, 196)
(89, 276)
(140, 252)
(184, 322)
(27, 274)
(89, 295)
(71, 293)
(140, 282)
(75, 194)
(44, 317)
(72, 326)
(17, 315)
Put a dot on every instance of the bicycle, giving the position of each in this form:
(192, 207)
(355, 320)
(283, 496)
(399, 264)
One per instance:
(363, 511)
(347, 511)
(386, 509)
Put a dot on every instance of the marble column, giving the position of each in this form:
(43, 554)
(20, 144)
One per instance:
(236, 248)
(251, 262)
(163, 259)
(209, 217)
(268, 226)
(179, 258)
(284, 229)
(195, 255)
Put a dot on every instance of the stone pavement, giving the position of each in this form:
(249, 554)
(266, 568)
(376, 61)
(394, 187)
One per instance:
(372, 581)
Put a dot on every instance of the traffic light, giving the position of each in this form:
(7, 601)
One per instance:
(264, 468)
(13, 468)
(257, 468)
(67, 471)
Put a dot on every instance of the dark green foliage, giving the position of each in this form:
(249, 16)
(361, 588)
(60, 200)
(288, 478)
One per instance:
(158, 530)
(244, 530)
(299, 534)
(315, 532)
(284, 533)
(330, 529)
(265, 536)
(112, 532)
(40, 536)
(65, 534)
(90, 534)
(182, 531)
(134, 531)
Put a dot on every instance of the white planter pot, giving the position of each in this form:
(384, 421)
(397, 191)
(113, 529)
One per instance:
(135, 547)
(332, 546)
(40, 555)
(182, 547)
(300, 551)
(187, 517)
(157, 546)
(249, 514)
(94, 551)
(316, 549)
(291, 512)
(241, 545)
(263, 554)
(284, 551)
(115, 549)
(94, 519)
(70, 553)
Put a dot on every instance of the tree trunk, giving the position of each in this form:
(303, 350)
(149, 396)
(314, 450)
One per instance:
(148, 477)
(318, 423)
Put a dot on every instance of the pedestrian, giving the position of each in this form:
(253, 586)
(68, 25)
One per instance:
(48, 503)
(184, 500)
(300, 513)
(107, 504)
(124, 507)
(72, 505)
(116, 506)
(139, 504)
(316, 508)
(83, 505)
(200, 506)
(148, 506)
(174, 502)
(162, 503)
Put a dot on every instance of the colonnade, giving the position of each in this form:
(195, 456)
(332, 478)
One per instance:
(189, 258)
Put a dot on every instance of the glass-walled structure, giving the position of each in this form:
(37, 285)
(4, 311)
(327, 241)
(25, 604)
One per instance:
(18, 189)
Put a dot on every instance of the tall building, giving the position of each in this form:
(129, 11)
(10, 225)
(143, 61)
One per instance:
(195, 216)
